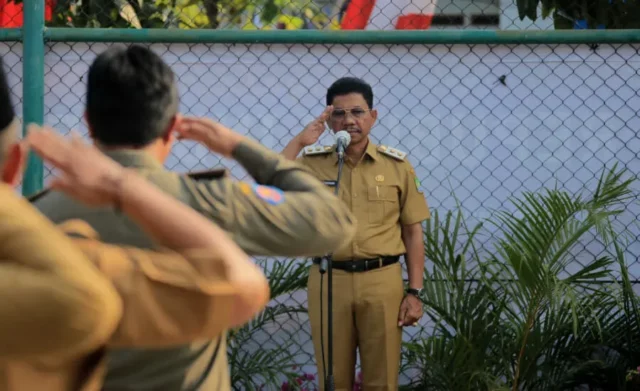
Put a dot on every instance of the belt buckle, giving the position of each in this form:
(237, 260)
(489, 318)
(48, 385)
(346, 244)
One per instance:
(372, 262)
(380, 262)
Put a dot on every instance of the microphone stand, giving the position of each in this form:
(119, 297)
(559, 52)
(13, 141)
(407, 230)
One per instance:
(326, 265)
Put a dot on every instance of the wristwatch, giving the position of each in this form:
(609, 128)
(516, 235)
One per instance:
(415, 292)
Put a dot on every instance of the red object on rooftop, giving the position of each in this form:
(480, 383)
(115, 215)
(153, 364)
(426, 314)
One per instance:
(11, 14)
(357, 14)
(388, 14)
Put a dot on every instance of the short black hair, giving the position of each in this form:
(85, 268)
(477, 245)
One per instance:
(7, 113)
(350, 85)
(131, 97)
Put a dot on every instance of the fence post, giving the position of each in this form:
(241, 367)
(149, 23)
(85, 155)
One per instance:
(33, 86)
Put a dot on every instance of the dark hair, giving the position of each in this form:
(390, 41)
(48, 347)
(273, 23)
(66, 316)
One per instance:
(131, 97)
(7, 114)
(350, 85)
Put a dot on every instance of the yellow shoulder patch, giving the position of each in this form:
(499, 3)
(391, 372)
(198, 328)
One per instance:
(35, 197)
(394, 153)
(317, 150)
(208, 175)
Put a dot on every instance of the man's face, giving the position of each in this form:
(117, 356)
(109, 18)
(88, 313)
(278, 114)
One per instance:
(352, 113)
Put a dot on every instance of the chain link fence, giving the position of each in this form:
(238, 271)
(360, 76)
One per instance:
(480, 123)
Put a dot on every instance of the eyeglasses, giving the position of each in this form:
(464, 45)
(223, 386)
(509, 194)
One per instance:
(340, 114)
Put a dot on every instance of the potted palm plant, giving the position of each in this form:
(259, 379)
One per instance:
(514, 316)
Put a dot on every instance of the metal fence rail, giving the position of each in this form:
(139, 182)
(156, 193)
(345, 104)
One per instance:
(484, 115)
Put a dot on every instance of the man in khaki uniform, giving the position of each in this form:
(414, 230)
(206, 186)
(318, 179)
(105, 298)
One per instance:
(58, 311)
(132, 115)
(380, 187)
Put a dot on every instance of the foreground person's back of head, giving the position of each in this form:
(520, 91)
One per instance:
(132, 98)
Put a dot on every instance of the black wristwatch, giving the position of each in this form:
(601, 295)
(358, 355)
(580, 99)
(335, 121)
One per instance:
(415, 292)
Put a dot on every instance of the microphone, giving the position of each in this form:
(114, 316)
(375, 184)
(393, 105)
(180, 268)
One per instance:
(343, 139)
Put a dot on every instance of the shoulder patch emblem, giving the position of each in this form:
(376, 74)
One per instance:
(416, 180)
(317, 150)
(269, 194)
(394, 153)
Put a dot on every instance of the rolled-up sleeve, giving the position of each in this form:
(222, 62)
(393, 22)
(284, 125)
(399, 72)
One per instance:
(168, 298)
(55, 304)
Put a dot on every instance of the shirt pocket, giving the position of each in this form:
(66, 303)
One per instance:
(382, 203)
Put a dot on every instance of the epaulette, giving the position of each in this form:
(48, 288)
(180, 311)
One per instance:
(35, 197)
(79, 229)
(394, 153)
(317, 150)
(208, 175)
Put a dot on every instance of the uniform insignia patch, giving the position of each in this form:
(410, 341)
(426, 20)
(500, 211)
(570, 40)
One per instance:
(417, 181)
(271, 195)
(318, 150)
(379, 178)
(394, 153)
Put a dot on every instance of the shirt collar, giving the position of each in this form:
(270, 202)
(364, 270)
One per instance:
(133, 158)
(371, 151)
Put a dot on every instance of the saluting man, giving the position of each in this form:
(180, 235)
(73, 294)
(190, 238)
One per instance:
(379, 185)
(132, 116)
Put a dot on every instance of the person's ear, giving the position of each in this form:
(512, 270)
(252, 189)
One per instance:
(89, 129)
(374, 115)
(175, 122)
(15, 161)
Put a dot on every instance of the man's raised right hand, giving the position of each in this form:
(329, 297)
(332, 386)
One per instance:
(215, 136)
(312, 132)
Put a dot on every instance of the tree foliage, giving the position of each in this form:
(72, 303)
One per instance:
(612, 14)
(188, 14)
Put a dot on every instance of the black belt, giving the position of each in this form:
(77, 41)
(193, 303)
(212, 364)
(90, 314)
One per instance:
(362, 265)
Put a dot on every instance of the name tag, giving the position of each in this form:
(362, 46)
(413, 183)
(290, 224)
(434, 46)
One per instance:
(329, 183)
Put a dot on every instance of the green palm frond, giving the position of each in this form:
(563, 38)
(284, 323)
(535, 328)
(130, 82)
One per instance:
(515, 316)
(267, 365)
(285, 276)
(263, 366)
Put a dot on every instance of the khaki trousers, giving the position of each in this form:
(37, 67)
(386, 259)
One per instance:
(365, 317)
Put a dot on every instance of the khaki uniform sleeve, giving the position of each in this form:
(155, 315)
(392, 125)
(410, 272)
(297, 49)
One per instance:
(290, 212)
(55, 304)
(414, 208)
(168, 298)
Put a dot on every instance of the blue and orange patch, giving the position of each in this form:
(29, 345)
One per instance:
(271, 195)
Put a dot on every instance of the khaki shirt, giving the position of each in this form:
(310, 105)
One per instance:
(58, 313)
(302, 218)
(383, 193)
